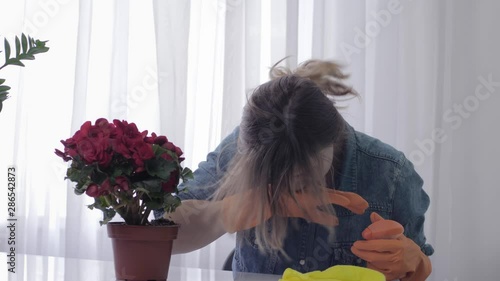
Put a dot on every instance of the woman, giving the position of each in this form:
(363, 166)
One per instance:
(301, 187)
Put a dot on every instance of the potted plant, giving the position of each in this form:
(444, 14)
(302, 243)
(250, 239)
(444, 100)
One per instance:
(129, 172)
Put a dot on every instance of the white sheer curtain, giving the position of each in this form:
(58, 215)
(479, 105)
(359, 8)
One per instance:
(183, 68)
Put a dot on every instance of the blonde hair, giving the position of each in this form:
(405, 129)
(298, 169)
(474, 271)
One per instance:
(327, 75)
(285, 125)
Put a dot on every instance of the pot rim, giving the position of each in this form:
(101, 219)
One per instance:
(120, 230)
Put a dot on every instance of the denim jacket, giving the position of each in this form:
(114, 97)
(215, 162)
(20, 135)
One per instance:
(374, 170)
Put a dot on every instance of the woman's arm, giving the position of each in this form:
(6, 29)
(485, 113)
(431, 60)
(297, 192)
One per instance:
(200, 224)
(410, 205)
(199, 218)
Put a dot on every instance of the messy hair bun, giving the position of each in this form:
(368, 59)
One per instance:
(326, 74)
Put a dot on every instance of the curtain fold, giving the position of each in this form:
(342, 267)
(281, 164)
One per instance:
(119, 61)
(76, 210)
(82, 64)
(466, 192)
(427, 73)
(292, 34)
(172, 29)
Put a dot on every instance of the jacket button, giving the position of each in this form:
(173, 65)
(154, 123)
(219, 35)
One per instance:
(359, 261)
(302, 262)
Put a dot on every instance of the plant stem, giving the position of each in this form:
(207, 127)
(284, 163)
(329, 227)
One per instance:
(144, 220)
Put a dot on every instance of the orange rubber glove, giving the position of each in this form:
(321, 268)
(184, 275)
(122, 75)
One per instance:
(239, 212)
(387, 250)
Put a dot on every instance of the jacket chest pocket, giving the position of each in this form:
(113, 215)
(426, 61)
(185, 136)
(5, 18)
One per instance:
(349, 231)
(248, 257)
(342, 255)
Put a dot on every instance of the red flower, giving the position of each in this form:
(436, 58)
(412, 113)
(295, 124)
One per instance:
(90, 143)
(83, 132)
(129, 133)
(170, 146)
(142, 151)
(105, 158)
(119, 147)
(151, 139)
(178, 151)
(63, 155)
(70, 147)
(104, 188)
(92, 190)
(87, 150)
(95, 190)
(93, 151)
(117, 152)
(154, 139)
(121, 183)
(107, 129)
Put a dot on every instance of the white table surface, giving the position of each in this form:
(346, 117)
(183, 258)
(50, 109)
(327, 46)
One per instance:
(47, 268)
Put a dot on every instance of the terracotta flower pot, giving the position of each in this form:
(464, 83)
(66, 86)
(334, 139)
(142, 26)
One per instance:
(141, 252)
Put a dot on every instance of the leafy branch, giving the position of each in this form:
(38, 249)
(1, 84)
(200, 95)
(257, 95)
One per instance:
(25, 49)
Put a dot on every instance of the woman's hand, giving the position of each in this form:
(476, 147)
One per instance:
(240, 213)
(311, 208)
(390, 252)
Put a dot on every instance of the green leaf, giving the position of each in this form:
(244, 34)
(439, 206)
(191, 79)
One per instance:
(79, 174)
(171, 202)
(25, 49)
(99, 203)
(38, 50)
(40, 46)
(26, 57)
(80, 186)
(186, 174)
(79, 191)
(103, 202)
(120, 170)
(160, 200)
(142, 189)
(158, 150)
(148, 185)
(15, 61)
(107, 216)
(7, 49)
(18, 46)
(29, 48)
(24, 43)
(4, 88)
(107, 212)
(98, 177)
(3, 96)
(73, 174)
(160, 167)
(154, 205)
(39, 43)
